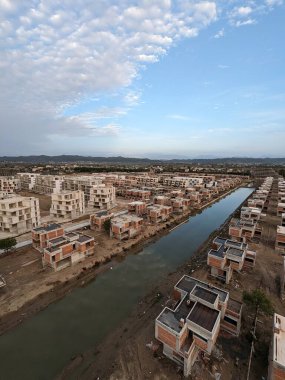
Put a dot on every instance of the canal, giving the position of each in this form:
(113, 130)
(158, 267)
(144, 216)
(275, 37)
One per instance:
(42, 345)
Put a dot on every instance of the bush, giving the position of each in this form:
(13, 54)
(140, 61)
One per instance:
(7, 244)
(258, 300)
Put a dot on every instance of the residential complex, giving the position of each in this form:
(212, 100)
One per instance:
(19, 214)
(192, 324)
(67, 205)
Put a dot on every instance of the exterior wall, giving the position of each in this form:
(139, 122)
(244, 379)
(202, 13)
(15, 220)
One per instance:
(67, 205)
(102, 196)
(9, 185)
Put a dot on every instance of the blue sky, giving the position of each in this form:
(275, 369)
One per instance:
(170, 79)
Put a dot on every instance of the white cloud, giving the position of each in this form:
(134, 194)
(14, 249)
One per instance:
(249, 21)
(272, 3)
(178, 117)
(243, 11)
(220, 33)
(223, 67)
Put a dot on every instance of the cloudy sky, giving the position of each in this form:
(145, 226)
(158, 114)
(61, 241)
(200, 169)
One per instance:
(153, 78)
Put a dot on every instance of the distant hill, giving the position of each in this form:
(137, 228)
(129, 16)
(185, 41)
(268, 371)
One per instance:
(43, 159)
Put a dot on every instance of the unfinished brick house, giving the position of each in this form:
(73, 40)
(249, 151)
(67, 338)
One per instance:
(158, 213)
(137, 207)
(250, 214)
(137, 194)
(67, 205)
(180, 205)
(276, 358)
(244, 231)
(102, 196)
(126, 226)
(64, 251)
(280, 240)
(162, 200)
(19, 214)
(280, 209)
(42, 235)
(191, 325)
(256, 203)
(98, 219)
(227, 256)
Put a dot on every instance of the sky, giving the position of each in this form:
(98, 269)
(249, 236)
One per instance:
(147, 78)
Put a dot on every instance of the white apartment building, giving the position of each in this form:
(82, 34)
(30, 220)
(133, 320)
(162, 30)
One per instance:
(182, 181)
(48, 184)
(67, 204)
(83, 183)
(102, 196)
(27, 180)
(9, 185)
(19, 214)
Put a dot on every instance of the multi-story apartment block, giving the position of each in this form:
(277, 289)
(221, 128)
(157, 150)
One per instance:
(27, 180)
(48, 184)
(244, 230)
(147, 180)
(227, 256)
(192, 324)
(102, 196)
(137, 207)
(98, 219)
(9, 185)
(82, 183)
(64, 251)
(280, 239)
(158, 213)
(67, 204)
(126, 226)
(19, 214)
(42, 235)
(276, 359)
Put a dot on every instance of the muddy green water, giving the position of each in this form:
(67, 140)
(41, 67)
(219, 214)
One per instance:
(42, 345)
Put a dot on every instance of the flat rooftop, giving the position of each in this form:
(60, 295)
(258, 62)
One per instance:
(281, 230)
(48, 228)
(84, 238)
(204, 294)
(279, 340)
(188, 283)
(203, 316)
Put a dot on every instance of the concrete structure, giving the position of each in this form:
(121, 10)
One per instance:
(42, 235)
(280, 209)
(102, 196)
(19, 214)
(64, 251)
(48, 184)
(227, 256)
(9, 185)
(143, 195)
(67, 204)
(244, 231)
(192, 323)
(283, 220)
(98, 219)
(162, 200)
(82, 183)
(27, 180)
(158, 213)
(250, 214)
(276, 359)
(280, 240)
(137, 207)
(126, 226)
(180, 205)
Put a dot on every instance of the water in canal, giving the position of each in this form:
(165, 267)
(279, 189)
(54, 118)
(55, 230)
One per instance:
(41, 346)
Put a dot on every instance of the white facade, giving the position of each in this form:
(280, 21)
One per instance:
(48, 184)
(102, 196)
(67, 204)
(19, 214)
(27, 180)
(9, 185)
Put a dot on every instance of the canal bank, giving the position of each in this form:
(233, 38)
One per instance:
(42, 345)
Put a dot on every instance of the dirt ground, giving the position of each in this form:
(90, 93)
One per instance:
(124, 354)
(44, 200)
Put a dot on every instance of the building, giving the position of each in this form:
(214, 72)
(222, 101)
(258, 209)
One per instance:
(82, 183)
(67, 204)
(243, 230)
(162, 200)
(137, 207)
(227, 256)
(48, 184)
(138, 194)
(280, 209)
(27, 180)
(158, 213)
(191, 325)
(250, 214)
(42, 235)
(126, 226)
(65, 251)
(276, 359)
(9, 185)
(19, 214)
(102, 196)
(180, 205)
(283, 220)
(98, 219)
(280, 239)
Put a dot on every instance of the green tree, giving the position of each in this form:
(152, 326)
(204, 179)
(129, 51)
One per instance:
(7, 244)
(258, 300)
(107, 225)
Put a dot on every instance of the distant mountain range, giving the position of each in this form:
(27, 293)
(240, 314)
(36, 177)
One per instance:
(43, 159)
